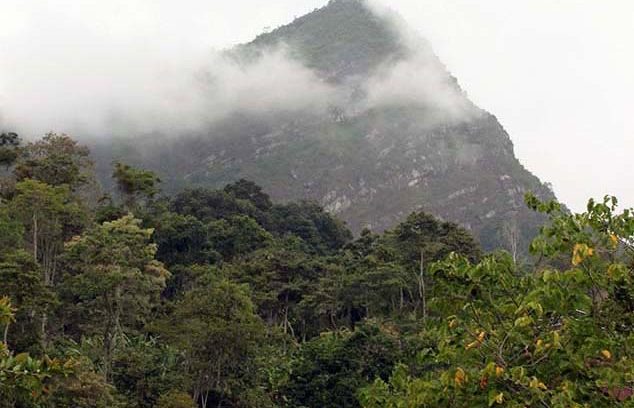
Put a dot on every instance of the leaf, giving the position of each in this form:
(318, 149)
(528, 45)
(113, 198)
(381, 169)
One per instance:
(536, 384)
(580, 252)
(460, 377)
(496, 398)
(499, 371)
(523, 321)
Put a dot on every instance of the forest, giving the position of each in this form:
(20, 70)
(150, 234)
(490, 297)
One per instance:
(223, 298)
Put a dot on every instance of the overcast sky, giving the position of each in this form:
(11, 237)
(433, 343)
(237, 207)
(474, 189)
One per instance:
(559, 75)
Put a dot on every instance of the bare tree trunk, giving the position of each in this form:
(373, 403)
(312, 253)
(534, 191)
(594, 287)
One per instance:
(422, 290)
(6, 334)
(511, 233)
(204, 399)
(112, 328)
(35, 237)
(43, 333)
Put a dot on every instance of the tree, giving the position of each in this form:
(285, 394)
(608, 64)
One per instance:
(280, 277)
(49, 215)
(114, 279)
(328, 370)
(248, 190)
(544, 339)
(135, 185)
(422, 239)
(25, 381)
(176, 399)
(307, 220)
(216, 327)
(237, 235)
(145, 369)
(11, 230)
(55, 160)
(184, 240)
(21, 278)
(209, 205)
(9, 148)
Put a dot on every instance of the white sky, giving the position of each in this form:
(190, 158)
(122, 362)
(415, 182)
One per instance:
(558, 74)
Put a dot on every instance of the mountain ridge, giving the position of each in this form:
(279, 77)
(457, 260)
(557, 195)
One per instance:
(388, 144)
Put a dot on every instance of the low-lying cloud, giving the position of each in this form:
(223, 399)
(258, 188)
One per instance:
(101, 78)
(416, 82)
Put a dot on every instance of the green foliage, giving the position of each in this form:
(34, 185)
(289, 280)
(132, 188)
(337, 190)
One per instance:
(276, 305)
(135, 184)
(49, 215)
(207, 205)
(176, 399)
(9, 148)
(237, 235)
(11, 231)
(55, 160)
(248, 190)
(146, 369)
(84, 388)
(21, 279)
(184, 240)
(547, 338)
(216, 327)
(113, 279)
(25, 381)
(327, 371)
(311, 223)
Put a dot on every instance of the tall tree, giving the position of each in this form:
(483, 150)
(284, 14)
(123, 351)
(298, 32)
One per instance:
(49, 216)
(217, 328)
(9, 148)
(56, 160)
(557, 337)
(114, 280)
(136, 186)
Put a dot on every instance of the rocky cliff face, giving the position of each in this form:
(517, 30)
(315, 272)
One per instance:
(397, 135)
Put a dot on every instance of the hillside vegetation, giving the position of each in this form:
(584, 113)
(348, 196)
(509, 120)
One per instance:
(374, 153)
(225, 298)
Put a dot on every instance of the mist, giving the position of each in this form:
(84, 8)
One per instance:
(123, 72)
(102, 91)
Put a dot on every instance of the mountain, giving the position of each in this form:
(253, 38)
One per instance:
(396, 134)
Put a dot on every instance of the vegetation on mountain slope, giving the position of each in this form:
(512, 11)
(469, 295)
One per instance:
(226, 298)
(368, 163)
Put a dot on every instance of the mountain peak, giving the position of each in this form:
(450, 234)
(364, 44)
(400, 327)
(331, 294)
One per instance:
(345, 38)
(397, 134)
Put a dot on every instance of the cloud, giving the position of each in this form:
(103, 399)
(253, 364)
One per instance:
(146, 91)
(110, 69)
(95, 69)
(417, 82)
(420, 79)
(273, 83)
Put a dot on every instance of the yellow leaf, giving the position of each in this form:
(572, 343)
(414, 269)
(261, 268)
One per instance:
(606, 354)
(581, 252)
(471, 345)
(481, 336)
(499, 371)
(499, 398)
(536, 384)
(614, 240)
(460, 377)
